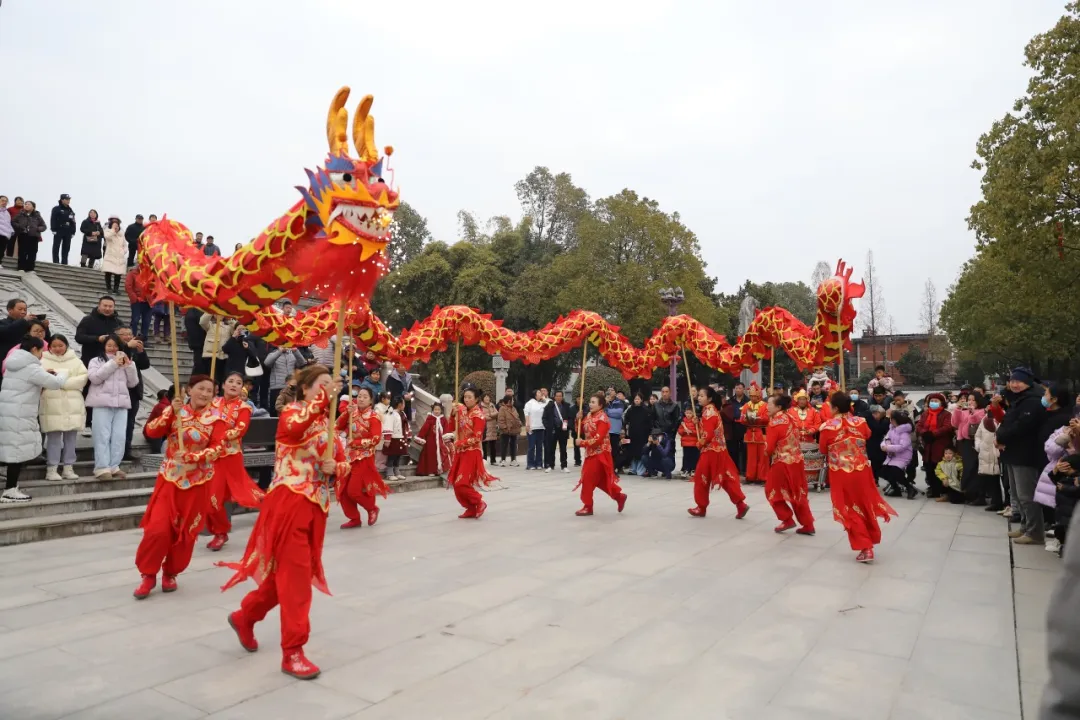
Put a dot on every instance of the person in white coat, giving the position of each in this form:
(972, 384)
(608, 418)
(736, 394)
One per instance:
(20, 433)
(114, 261)
(111, 375)
(63, 411)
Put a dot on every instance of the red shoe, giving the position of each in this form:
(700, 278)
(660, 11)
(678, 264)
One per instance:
(743, 508)
(218, 542)
(805, 530)
(696, 512)
(622, 501)
(373, 516)
(351, 524)
(583, 512)
(480, 510)
(866, 556)
(470, 513)
(149, 582)
(168, 583)
(245, 631)
(783, 527)
(294, 663)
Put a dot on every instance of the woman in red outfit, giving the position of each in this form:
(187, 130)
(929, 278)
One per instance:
(231, 481)
(467, 470)
(598, 471)
(857, 503)
(179, 504)
(785, 486)
(284, 553)
(364, 481)
(715, 467)
(435, 455)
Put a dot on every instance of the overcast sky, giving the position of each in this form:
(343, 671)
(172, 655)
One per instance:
(783, 132)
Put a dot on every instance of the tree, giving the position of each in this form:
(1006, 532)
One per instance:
(554, 207)
(928, 313)
(409, 235)
(600, 378)
(917, 367)
(483, 379)
(795, 297)
(873, 303)
(822, 272)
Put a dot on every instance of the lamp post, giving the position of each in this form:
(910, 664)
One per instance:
(673, 298)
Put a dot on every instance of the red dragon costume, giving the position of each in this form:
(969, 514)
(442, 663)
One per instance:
(715, 467)
(598, 470)
(363, 482)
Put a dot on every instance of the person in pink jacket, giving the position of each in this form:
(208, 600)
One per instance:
(111, 374)
(970, 410)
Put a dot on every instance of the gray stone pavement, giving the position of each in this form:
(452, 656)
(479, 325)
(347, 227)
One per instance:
(532, 612)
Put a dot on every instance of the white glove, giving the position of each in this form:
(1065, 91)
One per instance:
(448, 437)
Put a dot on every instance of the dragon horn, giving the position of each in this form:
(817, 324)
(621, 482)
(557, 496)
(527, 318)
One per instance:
(363, 131)
(337, 121)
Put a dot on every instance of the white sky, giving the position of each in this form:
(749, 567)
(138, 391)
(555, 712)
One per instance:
(783, 132)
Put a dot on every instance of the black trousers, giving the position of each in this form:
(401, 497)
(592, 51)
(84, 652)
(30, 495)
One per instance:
(272, 406)
(9, 245)
(13, 470)
(132, 250)
(896, 477)
(27, 253)
(616, 451)
(969, 483)
(990, 487)
(112, 282)
(509, 445)
(489, 450)
(551, 439)
(61, 245)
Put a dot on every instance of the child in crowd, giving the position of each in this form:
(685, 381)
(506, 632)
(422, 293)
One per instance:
(949, 471)
(396, 437)
(164, 399)
(688, 438)
(1066, 477)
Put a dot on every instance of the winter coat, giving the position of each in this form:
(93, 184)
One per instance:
(668, 416)
(131, 235)
(936, 441)
(63, 409)
(6, 230)
(553, 421)
(196, 336)
(131, 287)
(281, 362)
(988, 452)
(965, 420)
(12, 332)
(491, 430)
(509, 421)
(109, 383)
(29, 225)
(897, 446)
(90, 328)
(879, 429)
(1019, 430)
(885, 382)
(91, 246)
(1055, 447)
(615, 410)
(114, 259)
(1052, 421)
(20, 431)
(62, 221)
(224, 331)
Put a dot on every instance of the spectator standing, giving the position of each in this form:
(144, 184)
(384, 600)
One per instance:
(7, 232)
(241, 352)
(1021, 456)
(198, 240)
(112, 375)
(688, 438)
(162, 322)
(140, 306)
(556, 421)
(737, 448)
(62, 224)
(196, 338)
(136, 352)
(96, 327)
(966, 419)
(14, 326)
(491, 430)
(62, 411)
(373, 382)
(218, 331)
(20, 432)
(132, 234)
(114, 259)
(615, 409)
(989, 467)
(668, 413)
(936, 432)
(280, 364)
(92, 233)
(879, 428)
(637, 423)
(164, 399)
(210, 249)
(400, 384)
(509, 423)
(534, 431)
(28, 226)
(13, 243)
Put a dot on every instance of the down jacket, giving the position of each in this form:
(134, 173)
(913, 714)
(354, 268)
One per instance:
(224, 331)
(897, 446)
(20, 432)
(1055, 447)
(64, 409)
(986, 446)
(109, 383)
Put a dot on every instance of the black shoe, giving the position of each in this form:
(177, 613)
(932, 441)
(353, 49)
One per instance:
(912, 492)
(976, 503)
(1016, 518)
(931, 494)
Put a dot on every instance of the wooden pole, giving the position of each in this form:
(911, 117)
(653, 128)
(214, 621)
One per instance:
(686, 366)
(217, 345)
(581, 394)
(334, 377)
(349, 390)
(457, 371)
(772, 370)
(840, 338)
(177, 390)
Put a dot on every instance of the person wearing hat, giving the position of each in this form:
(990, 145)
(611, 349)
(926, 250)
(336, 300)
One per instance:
(1021, 453)
(134, 230)
(62, 224)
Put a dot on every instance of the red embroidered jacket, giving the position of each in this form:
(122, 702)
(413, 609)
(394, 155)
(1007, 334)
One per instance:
(302, 440)
(843, 442)
(236, 416)
(781, 440)
(711, 436)
(195, 465)
(596, 433)
(366, 430)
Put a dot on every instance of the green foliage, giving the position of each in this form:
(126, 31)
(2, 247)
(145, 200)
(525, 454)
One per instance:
(598, 379)
(798, 298)
(970, 372)
(483, 379)
(410, 234)
(864, 379)
(916, 367)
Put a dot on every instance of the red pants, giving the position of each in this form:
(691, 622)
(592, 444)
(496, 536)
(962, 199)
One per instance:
(231, 483)
(360, 487)
(171, 525)
(598, 473)
(716, 468)
(468, 496)
(786, 491)
(292, 536)
(857, 505)
(757, 465)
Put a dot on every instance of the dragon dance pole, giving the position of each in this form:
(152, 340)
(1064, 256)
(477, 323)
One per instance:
(217, 344)
(457, 370)
(840, 338)
(581, 394)
(175, 368)
(686, 366)
(335, 377)
(772, 370)
(349, 389)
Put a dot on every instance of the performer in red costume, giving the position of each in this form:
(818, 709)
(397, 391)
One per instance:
(786, 487)
(715, 467)
(435, 456)
(179, 504)
(807, 421)
(856, 500)
(755, 416)
(598, 471)
(232, 416)
(364, 481)
(284, 553)
(467, 470)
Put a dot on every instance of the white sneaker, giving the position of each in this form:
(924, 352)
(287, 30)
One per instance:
(547, 470)
(103, 474)
(51, 474)
(566, 469)
(515, 464)
(86, 432)
(13, 495)
(1053, 545)
(69, 473)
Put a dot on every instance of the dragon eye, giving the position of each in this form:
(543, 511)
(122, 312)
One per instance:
(347, 177)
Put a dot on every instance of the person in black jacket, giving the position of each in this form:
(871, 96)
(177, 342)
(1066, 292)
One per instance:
(240, 350)
(668, 413)
(95, 327)
(196, 339)
(557, 419)
(1021, 454)
(136, 352)
(134, 230)
(13, 327)
(638, 422)
(93, 240)
(573, 430)
(62, 224)
(879, 427)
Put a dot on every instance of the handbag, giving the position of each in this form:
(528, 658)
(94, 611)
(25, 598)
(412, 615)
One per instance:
(253, 371)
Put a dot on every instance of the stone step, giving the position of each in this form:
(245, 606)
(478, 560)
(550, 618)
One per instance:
(52, 488)
(51, 527)
(83, 468)
(73, 504)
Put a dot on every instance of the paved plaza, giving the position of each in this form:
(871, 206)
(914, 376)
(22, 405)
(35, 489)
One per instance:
(532, 612)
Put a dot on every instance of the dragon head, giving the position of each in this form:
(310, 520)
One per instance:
(348, 199)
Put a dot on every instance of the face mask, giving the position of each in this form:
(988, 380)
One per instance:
(934, 405)
(854, 397)
(1045, 402)
(355, 393)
